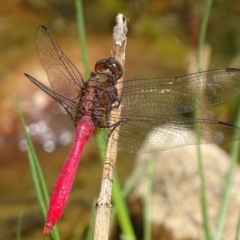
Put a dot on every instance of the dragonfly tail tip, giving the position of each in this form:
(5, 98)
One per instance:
(47, 228)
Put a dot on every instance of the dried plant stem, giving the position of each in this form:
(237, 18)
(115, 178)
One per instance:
(103, 213)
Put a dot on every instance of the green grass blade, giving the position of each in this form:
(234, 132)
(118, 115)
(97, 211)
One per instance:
(204, 206)
(226, 196)
(82, 36)
(122, 211)
(32, 159)
(238, 228)
(202, 36)
(203, 30)
(19, 227)
(128, 186)
(38, 180)
(89, 235)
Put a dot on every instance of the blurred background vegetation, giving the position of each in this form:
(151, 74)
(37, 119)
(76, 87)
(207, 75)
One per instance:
(162, 40)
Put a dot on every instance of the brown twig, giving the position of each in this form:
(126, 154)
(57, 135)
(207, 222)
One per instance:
(103, 214)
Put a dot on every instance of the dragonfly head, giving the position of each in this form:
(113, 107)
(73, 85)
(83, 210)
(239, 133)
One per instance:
(109, 66)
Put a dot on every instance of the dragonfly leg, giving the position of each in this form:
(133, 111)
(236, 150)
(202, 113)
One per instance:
(115, 125)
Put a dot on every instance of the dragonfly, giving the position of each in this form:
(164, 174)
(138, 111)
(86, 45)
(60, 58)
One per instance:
(139, 106)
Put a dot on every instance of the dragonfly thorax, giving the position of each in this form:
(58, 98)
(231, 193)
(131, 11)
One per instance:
(97, 96)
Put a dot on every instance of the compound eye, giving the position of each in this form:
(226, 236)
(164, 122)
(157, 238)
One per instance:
(107, 65)
(100, 65)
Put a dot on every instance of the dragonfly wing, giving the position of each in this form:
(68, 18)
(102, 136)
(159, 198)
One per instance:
(160, 96)
(63, 76)
(144, 134)
(69, 105)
